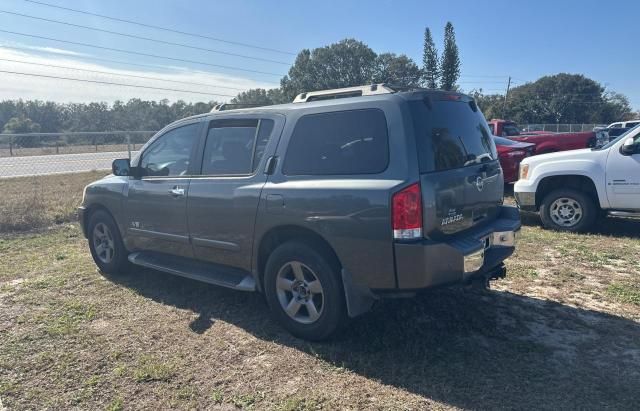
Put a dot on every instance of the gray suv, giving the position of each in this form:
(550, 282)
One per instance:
(325, 205)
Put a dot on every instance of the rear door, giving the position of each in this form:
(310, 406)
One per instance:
(461, 179)
(223, 199)
(156, 204)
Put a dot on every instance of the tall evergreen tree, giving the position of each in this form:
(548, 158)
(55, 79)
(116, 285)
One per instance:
(430, 69)
(450, 66)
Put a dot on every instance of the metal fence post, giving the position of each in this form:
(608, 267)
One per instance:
(129, 145)
(11, 146)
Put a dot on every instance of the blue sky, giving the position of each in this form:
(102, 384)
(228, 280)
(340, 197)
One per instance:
(496, 39)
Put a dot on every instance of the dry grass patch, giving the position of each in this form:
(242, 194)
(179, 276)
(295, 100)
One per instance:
(35, 202)
(561, 332)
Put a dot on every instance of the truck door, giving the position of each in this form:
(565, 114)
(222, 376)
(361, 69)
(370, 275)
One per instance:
(156, 203)
(623, 177)
(223, 199)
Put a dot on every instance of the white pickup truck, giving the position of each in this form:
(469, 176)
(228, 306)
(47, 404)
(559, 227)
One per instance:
(571, 189)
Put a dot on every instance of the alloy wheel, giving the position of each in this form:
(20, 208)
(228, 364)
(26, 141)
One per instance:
(300, 292)
(103, 243)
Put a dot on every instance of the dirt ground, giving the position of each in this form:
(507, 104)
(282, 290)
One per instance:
(562, 331)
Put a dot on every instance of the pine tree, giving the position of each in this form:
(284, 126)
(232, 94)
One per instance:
(430, 69)
(450, 66)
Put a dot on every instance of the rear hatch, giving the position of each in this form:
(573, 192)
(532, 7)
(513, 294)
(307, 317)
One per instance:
(460, 177)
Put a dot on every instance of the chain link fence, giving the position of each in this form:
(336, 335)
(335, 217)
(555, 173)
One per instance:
(35, 154)
(560, 128)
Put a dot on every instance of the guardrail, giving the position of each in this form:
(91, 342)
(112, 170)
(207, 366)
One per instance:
(30, 154)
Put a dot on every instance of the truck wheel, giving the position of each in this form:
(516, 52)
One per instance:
(568, 210)
(304, 291)
(106, 245)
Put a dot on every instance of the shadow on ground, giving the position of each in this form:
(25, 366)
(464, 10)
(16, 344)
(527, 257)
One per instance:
(467, 349)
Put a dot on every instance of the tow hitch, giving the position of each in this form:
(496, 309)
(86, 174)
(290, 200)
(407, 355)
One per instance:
(482, 280)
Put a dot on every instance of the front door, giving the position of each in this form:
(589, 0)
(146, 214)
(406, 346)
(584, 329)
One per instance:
(157, 202)
(623, 177)
(223, 200)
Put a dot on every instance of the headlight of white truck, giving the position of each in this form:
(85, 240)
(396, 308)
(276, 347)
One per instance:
(524, 171)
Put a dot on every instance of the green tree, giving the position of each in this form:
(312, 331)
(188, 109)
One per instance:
(17, 125)
(430, 69)
(397, 70)
(565, 98)
(258, 96)
(450, 65)
(346, 63)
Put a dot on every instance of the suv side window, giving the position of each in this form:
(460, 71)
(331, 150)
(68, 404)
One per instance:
(344, 142)
(631, 124)
(235, 146)
(170, 154)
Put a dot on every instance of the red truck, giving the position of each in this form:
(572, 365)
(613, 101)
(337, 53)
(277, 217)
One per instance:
(546, 142)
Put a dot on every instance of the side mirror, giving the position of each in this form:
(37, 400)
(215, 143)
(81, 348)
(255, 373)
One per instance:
(122, 167)
(629, 147)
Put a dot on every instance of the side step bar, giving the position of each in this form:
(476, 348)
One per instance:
(196, 270)
(624, 214)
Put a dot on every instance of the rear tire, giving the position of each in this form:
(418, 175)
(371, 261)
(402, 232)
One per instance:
(568, 210)
(105, 243)
(304, 291)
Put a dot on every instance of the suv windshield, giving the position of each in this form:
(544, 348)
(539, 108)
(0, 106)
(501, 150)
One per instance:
(450, 134)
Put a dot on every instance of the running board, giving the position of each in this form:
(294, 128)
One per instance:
(624, 214)
(196, 270)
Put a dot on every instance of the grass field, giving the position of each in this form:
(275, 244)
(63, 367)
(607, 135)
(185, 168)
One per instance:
(29, 203)
(561, 332)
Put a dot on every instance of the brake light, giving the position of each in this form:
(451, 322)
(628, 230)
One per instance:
(407, 213)
(517, 153)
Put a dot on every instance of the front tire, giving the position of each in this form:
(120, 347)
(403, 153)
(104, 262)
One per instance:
(105, 243)
(304, 291)
(568, 210)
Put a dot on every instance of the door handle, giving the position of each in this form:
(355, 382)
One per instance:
(177, 191)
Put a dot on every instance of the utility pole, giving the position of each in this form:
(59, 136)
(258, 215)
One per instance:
(506, 95)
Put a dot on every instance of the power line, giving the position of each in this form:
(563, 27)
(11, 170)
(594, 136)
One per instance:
(113, 84)
(87, 57)
(139, 53)
(119, 74)
(170, 43)
(237, 43)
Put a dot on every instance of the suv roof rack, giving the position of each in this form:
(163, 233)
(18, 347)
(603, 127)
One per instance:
(231, 106)
(357, 91)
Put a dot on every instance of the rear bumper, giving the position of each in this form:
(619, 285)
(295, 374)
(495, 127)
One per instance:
(428, 263)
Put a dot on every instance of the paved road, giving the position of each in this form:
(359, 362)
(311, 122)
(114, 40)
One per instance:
(57, 164)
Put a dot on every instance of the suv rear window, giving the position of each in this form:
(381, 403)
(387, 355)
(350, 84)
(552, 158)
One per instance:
(450, 134)
(345, 142)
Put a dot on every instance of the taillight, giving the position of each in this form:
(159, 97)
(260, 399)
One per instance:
(407, 213)
(517, 153)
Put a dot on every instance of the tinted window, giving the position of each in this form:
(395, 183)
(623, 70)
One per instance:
(501, 141)
(346, 142)
(170, 154)
(631, 124)
(232, 146)
(616, 125)
(450, 134)
(510, 130)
